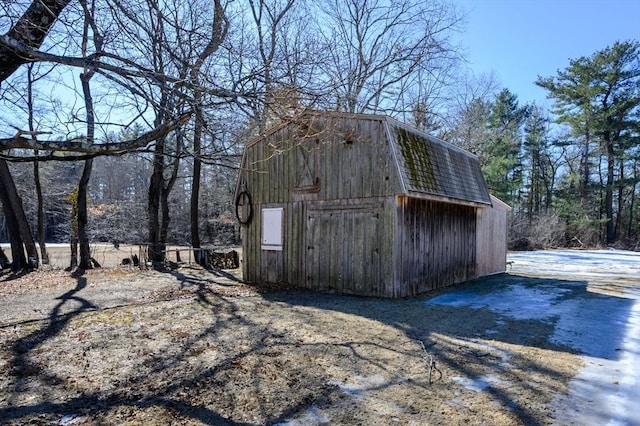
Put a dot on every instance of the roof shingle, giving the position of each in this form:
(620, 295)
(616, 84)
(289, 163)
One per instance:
(433, 167)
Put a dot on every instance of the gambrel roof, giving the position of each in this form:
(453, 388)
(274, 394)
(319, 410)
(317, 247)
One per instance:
(432, 167)
(426, 167)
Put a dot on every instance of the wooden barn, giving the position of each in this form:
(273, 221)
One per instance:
(364, 204)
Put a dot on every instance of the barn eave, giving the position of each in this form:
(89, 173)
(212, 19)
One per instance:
(433, 169)
(445, 199)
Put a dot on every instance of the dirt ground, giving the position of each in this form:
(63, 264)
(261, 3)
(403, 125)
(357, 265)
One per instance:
(190, 346)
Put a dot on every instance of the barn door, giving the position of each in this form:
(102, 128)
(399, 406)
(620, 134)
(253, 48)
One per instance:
(342, 251)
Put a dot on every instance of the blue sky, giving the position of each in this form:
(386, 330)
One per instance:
(521, 39)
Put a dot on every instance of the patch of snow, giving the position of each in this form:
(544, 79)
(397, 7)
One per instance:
(477, 384)
(579, 263)
(604, 328)
(505, 360)
(70, 419)
(312, 417)
(359, 385)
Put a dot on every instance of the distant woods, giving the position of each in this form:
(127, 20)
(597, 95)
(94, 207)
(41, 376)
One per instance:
(125, 121)
(571, 174)
(597, 100)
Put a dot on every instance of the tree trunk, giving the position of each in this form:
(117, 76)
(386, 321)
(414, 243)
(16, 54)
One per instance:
(17, 247)
(165, 219)
(620, 202)
(153, 203)
(166, 191)
(83, 238)
(85, 78)
(584, 187)
(31, 30)
(73, 263)
(195, 189)
(44, 256)
(218, 33)
(11, 201)
(636, 178)
(4, 260)
(608, 198)
(159, 218)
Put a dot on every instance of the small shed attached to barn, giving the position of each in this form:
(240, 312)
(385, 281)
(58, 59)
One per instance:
(364, 204)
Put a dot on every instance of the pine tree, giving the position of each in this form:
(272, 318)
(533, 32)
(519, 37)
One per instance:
(501, 153)
(599, 98)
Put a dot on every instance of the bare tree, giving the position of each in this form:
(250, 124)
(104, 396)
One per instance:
(219, 29)
(269, 20)
(378, 46)
(469, 113)
(30, 30)
(36, 170)
(274, 55)
(20, 45)
(89, 30)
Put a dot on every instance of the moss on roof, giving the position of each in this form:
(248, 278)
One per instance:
(434, 167)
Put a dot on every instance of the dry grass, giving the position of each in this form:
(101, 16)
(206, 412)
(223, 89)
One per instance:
(197, 347)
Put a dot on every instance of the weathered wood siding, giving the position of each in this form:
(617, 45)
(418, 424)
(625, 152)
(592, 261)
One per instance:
(349, 247)
(313, 173)
(491, 241)
(350, 225)
(333, 159)
(434, 245)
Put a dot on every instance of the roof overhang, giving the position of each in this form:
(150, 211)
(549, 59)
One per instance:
(443, 199)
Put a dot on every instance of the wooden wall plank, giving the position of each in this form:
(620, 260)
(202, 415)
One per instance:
(435, 245)
(491, 239)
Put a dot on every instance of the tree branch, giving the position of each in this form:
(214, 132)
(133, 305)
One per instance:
(81, 145)
(131, 69)
(30, 31)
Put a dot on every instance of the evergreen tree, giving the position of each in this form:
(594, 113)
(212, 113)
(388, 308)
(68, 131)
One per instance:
(500, 154)
(599, 97)
(537, 159)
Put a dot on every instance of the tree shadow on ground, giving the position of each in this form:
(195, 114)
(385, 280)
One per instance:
(514, 309)
(164, 379)
(8, 275)
(236, 364)
(470, 328)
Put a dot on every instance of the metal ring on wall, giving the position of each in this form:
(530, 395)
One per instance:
(244, 209)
